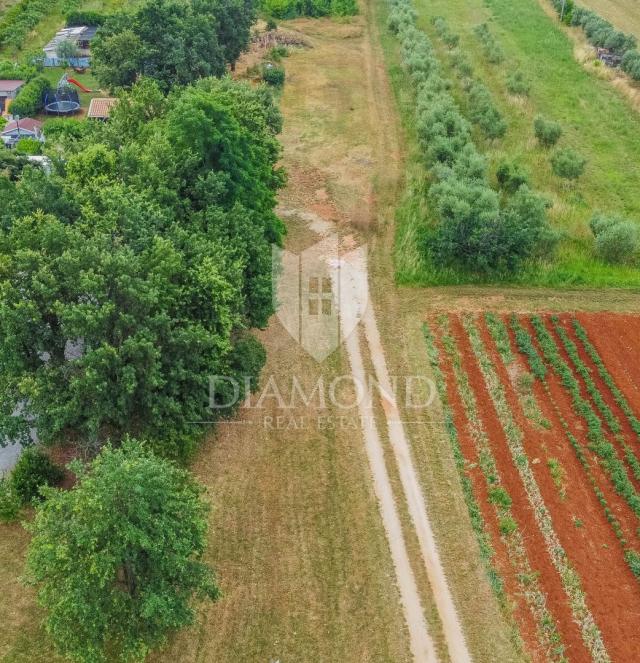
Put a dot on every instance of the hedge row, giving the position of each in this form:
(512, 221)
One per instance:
(30, 98)
(602, 34)
(474, 234)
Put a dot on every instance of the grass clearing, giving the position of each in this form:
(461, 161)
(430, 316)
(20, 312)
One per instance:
(561, 89)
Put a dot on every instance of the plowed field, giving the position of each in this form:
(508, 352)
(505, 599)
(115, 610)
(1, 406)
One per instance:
(544, 416)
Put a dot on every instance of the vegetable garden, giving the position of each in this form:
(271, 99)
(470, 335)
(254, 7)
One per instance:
(542, 412)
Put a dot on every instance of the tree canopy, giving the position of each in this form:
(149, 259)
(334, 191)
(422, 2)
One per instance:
(117, 559)
(174, 42)
(131, 274)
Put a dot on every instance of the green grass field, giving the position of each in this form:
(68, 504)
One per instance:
(597, 121)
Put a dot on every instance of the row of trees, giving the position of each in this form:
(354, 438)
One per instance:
(131, 271)
(478, 231)
(482, 110)
(603, 34)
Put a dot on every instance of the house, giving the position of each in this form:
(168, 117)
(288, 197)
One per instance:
(18, 129)
(81, 36)
(100, 108)
(8, 91)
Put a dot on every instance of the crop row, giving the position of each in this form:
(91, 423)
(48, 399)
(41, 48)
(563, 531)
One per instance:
(595, 434)
(526, 346)
(515, 437)
(475, 513)
(548, 633)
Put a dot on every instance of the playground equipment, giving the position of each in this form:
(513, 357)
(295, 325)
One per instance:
(64, 100)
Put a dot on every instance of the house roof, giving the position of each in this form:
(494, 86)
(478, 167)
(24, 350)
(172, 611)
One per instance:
(9, 85)
(78, 33)
(100, 108)
(27, 124)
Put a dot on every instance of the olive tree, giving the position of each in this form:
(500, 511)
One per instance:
(118, 559)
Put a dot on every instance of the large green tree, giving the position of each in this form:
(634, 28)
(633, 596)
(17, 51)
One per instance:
(132, 274)
(174, 42)
(118, 559)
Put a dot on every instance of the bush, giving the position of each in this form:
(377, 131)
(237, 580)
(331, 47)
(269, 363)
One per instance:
(271, 25)
(277, 53)
(547, 132)
(273, 75)
(518, 84)
(30, 99)
(33, 471)
(483, 112)
(28, 146)
(79, 18)
(617, 240)
(568, 164)
(9, 502)
(631, 64)
(511, 177)
(492, 50)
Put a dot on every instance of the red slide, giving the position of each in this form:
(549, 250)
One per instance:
(82, 87)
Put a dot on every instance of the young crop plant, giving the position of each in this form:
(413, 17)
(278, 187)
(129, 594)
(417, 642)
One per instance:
(475, 513)
(525, 344)
(515, 437)
(548, 633)
(597, 440)
(617, 394)
(524, 381)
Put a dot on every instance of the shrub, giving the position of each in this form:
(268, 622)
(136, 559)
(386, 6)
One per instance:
(547, 132)
(483, 112)
(631, 64)
(30, 99)
(518, 84)
(273, 75)
(9, 502)
(79, 18)
(462, 64)
(33, 471)
(277, 53)
(271, 24)
(507, 525)
(617, 240)
(28, 146)
(492, 50)
(568, 164)
(511, 177)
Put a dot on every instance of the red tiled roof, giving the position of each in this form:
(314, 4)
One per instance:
(27, 123)
(10, 86)
(100, 107)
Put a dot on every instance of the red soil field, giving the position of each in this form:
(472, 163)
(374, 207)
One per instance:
(579, 520)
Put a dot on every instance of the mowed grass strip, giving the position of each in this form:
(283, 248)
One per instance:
(597, 122)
